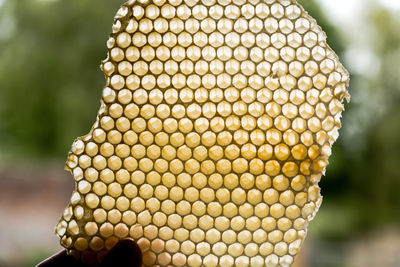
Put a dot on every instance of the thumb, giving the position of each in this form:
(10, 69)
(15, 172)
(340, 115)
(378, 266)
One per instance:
(125, 254)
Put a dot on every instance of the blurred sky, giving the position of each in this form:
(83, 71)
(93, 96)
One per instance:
(352, 18)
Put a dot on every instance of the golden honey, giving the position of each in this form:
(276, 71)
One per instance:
(215, 127)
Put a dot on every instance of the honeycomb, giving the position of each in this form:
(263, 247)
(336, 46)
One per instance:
(215, 127)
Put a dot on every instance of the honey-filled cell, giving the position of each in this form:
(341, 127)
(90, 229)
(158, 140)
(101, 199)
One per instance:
(216, 124)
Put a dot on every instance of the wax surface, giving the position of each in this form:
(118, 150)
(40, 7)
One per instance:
(215, 127)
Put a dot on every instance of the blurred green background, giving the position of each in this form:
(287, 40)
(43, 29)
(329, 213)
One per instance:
(50, 87)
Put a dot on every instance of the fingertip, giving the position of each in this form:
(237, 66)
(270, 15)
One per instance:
(125, 254)
(61, 259)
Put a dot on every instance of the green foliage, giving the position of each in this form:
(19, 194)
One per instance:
(49, 76)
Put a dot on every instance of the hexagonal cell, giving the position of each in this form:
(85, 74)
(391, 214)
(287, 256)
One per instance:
(216, 124)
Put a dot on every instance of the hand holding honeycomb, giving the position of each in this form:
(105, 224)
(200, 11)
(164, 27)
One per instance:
(215, 127)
